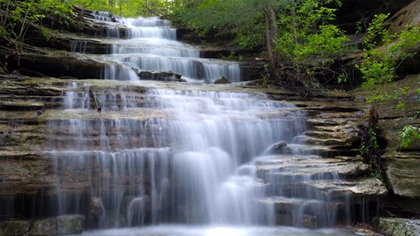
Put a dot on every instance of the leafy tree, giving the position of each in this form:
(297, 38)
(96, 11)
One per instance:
(307, 30)
(249, 19)
(288, 30)
(128, 8)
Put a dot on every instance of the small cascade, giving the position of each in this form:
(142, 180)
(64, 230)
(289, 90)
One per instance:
(149, 44)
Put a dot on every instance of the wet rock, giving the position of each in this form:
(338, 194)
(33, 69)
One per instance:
(279, 145)
(44, 227)
(70, 224)
(160, 76)
(138, 205)
(397, 226)
(114, 219)
(222, 80)
(306, 221)
(97, 208)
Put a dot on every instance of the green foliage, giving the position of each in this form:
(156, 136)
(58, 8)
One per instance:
(307, 31)
(379, 63)
(407, 135)
(327, 42)
(18, 16)
(359, 27)
(376, 32)
(129, 8)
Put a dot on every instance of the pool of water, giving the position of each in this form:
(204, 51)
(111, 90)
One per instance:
(180, 230)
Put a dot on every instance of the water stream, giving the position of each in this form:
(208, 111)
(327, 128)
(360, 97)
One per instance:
(174, 161)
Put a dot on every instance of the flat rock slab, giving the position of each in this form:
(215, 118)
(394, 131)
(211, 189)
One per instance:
(366, 188)
(304, 167)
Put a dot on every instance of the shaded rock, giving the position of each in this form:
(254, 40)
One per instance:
(277, 146)
(57, 64)
(114, 219)
(397, 226)
(222, 80)
(354, 11)
(97, 208)
(160, 76)
(15, 228)
(306, 221)
(70, 224)
(408, 15)
(403, 174)
(44, 227)
(138, 205)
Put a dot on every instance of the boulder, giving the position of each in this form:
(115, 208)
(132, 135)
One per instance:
(160, 76)
(222, 80)
(97, 208)
(70, 224)
(397, 226)
(44, 227)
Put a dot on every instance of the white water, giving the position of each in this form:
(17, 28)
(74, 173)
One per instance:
(174, 230)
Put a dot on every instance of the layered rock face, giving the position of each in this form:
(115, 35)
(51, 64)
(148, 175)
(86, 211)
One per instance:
(52, 154)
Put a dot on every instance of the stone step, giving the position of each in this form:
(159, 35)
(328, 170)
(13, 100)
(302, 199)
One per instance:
(282, 170)
(354, 191)
(305, 213)
(303, 139)
(306, 206)
(318, 150)
(331, 122)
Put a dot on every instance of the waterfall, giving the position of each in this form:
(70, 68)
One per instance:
(184, 166)
(134, 156)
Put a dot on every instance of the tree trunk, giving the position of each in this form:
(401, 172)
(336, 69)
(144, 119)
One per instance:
(271, 35)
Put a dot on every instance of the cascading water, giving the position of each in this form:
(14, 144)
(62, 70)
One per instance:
(149, 44)
(170, 156)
